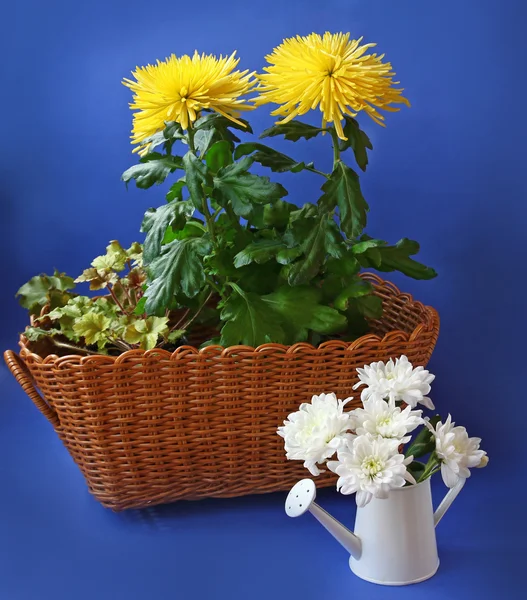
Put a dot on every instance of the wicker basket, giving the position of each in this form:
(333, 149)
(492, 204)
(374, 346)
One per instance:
(153, 427)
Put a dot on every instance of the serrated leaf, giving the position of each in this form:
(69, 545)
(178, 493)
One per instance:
(293, 131)
(196, 177)
(248, 320)
(299, 310)
(342, 189)
(94, 327)
(259, 252)
(33, 334)
(219, 155)
(319, 242)
(362, 246)
(179, 267)
(176, 190)
(357, 140)
(288, 255)
(173, 131)
(217, 121)
(152, 171)
(234, 185)
(355, 289)
(146, 332)
(397, 258)
(156, 222)
(35, 294)
(277, 214)
(114, 259)
(268, 157)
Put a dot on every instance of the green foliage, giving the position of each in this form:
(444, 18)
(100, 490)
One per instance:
(227, 251)
(424, 441)
(42, 290)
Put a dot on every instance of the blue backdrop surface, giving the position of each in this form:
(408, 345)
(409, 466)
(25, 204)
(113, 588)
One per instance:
(448, 172)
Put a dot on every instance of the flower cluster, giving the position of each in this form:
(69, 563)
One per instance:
(368, 440)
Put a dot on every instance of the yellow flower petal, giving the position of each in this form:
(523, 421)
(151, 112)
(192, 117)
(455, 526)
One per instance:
(178, 88)
(331, 73)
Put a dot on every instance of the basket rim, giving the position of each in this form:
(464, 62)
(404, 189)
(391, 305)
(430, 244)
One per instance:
(429, 322)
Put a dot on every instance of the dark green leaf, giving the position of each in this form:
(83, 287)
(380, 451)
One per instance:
(259, 252)
(343, 189)
(268, 157)
(248, 320)
(203, 140)
(178, 268)
(140, 307)
(234, 185)
(416, 469)
(217, 121)
(156, 222)
(357, 288)
(369, 306)
(148, 172)
(299, 310)
(357, 140)
(219, 155)
(293, 131)
(176, 191)
(173, 131)
(277, 214)
(424, 441)
(362, 246)
(397, 258)
(196, 177)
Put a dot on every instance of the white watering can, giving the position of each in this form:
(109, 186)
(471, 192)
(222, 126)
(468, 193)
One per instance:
(394, 541)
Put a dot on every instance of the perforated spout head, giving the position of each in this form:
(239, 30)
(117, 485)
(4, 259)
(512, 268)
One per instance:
(300, 498)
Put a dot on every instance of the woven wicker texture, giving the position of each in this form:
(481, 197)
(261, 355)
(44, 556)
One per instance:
(153, 427)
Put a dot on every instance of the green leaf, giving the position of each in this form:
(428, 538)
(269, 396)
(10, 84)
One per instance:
(416, 469)
(176, 190)
(355, 289)
(146, 332)
(219, 155)
(156, 222)
(357, 140)
(343, 189)
(362, 246)
(369, 306)
(424, 441)
(397, 258)
(299, 310)
(277, 214)
(196, 177)
(152, 171)
(321, 240)
(217, 121)
(35, 294)
(33, 334)
(140, 307)
(293, 131)
(173, 131)
(248, 320)
(268, 157)
(179, 267)
(234, 185)
(259, 252)
(94, 328)
(114, 259)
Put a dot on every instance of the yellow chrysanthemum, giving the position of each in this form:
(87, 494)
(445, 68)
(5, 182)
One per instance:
(178, 88)
(332, 73)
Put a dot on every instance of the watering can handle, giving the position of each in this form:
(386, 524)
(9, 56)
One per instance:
(447, 501)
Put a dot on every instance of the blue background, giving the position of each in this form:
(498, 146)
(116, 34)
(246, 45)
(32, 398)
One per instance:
(448, 172)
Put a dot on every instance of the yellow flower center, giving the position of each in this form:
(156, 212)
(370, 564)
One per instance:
(372, 466)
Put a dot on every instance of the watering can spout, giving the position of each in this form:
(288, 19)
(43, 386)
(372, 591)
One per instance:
(301, 499)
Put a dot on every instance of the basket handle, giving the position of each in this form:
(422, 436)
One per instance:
(21, 373)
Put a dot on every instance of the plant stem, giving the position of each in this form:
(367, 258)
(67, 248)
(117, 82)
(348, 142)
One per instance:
(214, 286)
(116, 300)
(233, 217)
(73, 347)
(336, 149)
(190, 139)
(313, 170)
(432, 466)
(196, 314)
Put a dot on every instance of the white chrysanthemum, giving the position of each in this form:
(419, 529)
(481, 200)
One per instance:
(397, 381)
(458, 452)
(379, 417)
(370, 466)
(316, 431)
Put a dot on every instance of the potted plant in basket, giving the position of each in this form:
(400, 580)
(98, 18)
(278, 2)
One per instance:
(238, 301)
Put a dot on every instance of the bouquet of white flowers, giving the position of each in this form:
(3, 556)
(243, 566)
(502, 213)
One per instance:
(369, 442)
